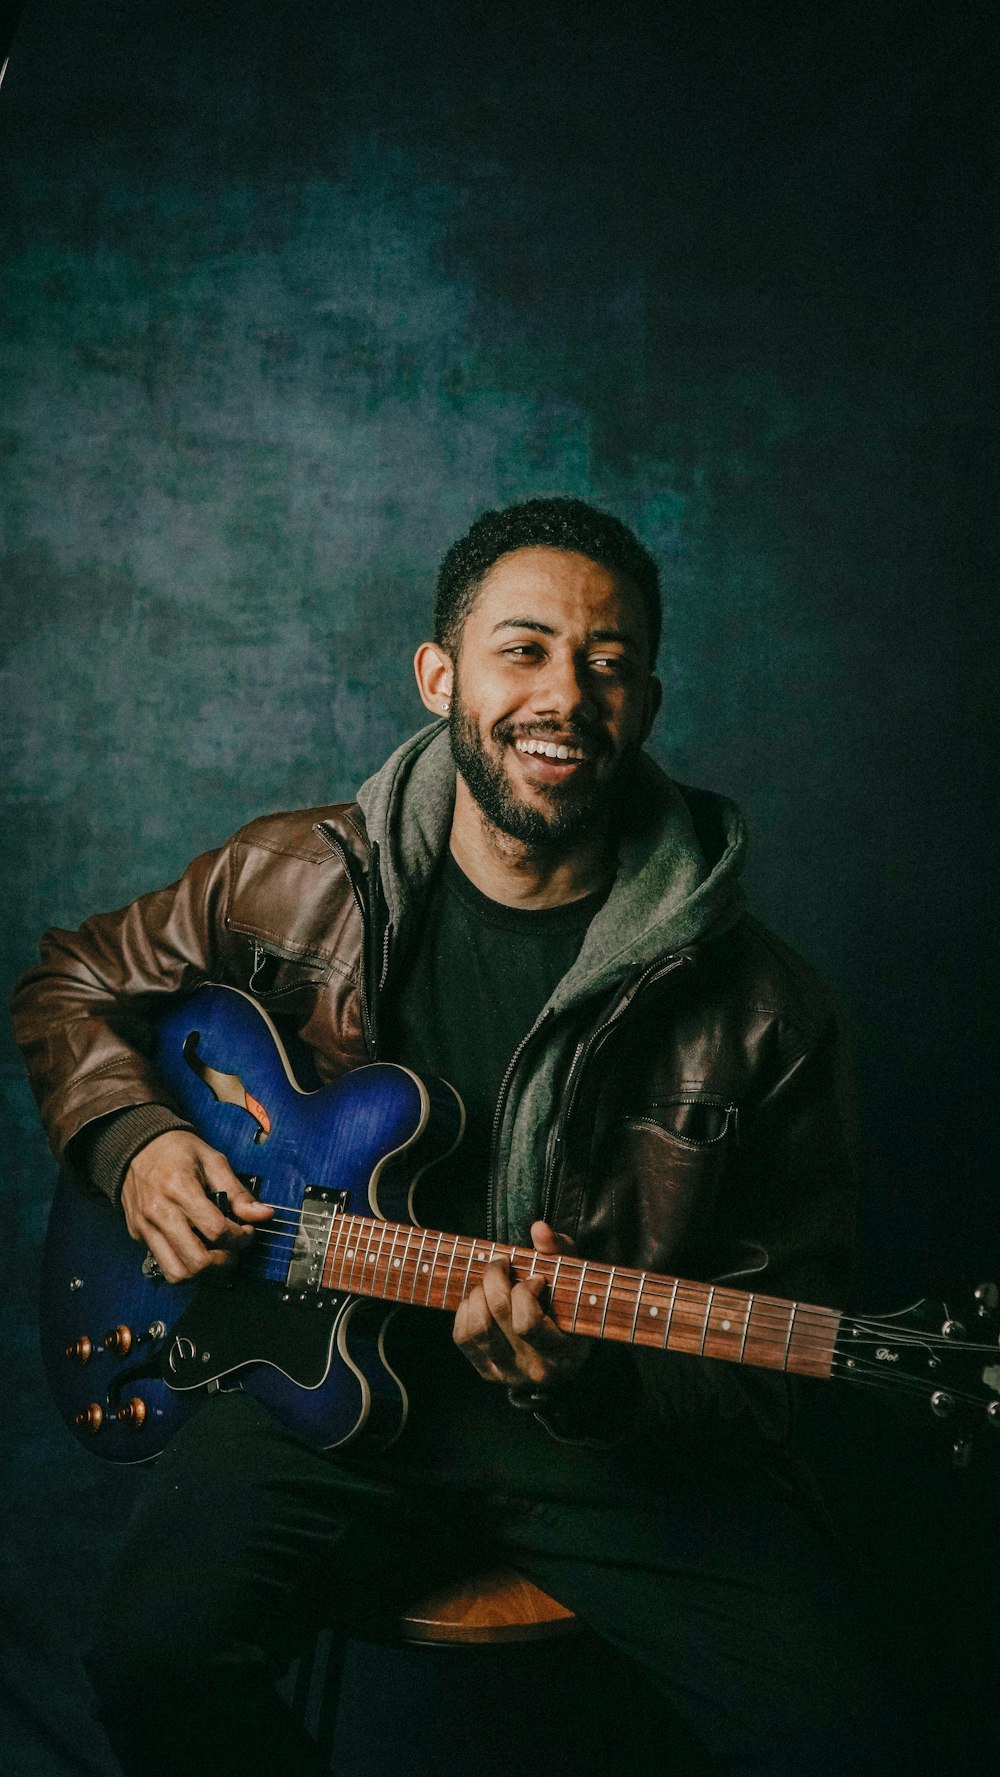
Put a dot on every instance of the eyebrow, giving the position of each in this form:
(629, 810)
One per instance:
(546, 629)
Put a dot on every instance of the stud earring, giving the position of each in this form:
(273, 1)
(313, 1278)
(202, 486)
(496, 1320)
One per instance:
(447, 706)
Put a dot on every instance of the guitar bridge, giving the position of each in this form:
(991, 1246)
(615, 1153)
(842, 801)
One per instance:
(317, 1215)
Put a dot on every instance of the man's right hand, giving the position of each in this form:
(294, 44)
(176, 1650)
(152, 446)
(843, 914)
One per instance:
(167, 1206)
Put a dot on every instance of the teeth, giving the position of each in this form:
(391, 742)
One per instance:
(548, 749)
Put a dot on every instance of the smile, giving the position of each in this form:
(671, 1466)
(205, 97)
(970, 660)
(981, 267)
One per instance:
(549, 749)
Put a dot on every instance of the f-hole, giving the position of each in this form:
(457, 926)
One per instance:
(225, 1088)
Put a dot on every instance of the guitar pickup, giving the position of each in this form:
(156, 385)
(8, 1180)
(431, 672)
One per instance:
(317, 1214)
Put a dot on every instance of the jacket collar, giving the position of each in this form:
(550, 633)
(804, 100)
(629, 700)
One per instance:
(679, 859)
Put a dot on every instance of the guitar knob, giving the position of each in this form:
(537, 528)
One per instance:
(953, 1329)
(133, 1413)
(942, 1403)
(91, 1418)
(80, 1350)
(120, 1340)
(993, 1413)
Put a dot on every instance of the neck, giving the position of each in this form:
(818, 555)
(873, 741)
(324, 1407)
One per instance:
(520, 875)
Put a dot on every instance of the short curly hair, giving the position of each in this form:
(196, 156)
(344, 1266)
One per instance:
(556, 523)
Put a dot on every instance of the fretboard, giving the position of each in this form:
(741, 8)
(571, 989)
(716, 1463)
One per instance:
(420, 1267)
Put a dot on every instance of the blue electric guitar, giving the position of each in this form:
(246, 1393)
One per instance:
(302, 1322)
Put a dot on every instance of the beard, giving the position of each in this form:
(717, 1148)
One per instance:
(574, 810)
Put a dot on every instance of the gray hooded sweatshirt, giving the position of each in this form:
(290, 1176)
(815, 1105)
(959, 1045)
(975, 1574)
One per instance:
(667, 896)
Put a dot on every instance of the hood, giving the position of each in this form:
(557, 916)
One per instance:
(680, 853)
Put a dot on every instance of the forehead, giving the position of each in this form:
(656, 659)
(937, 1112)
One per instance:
(565, 591)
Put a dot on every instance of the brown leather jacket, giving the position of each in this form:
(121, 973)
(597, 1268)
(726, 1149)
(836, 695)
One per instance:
(704, 1127)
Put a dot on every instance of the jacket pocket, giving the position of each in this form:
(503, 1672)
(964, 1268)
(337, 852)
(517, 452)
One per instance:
(701, 1120)
(666, 1171)
(274, 975)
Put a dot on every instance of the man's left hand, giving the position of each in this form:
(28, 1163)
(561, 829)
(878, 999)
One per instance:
(506, 1333)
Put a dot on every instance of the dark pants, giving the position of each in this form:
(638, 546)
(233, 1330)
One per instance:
(245, 1541)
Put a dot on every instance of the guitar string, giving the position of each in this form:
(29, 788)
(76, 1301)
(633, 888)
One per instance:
(599, 1268)
(763, 1311)
(872, 1375)
(768, 1322)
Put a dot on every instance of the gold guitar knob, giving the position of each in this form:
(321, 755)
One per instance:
(119, 1339)
(80, 1350)
(90, 1418)
(133, 1413)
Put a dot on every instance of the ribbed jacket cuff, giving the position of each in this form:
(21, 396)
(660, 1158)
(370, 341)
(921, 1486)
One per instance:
(105, 1149)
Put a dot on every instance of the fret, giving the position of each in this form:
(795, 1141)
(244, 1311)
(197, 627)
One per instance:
(708, 1316)
(607, 1301)
(356, 1249)
(344, 1242)
(579, 1293)
(383, 1281)
(370, 1256)
(447, 1281)
(552, 1290)
(326, 1250)
(408, 1242)
(670, 1312)
(746, 1326)
(788, 1337)
(331, 1257)
(465, 1281)
(432, 1269)
(638, 1305)
(416, 1266)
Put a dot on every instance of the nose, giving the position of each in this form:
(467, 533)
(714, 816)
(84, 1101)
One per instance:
(564, 688)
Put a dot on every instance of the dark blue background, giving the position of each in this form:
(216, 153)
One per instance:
(289, 293)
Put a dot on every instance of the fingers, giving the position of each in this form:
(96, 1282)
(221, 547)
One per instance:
(503, 1330)
(219, 1176)
(545, 1240)
(167, 1207)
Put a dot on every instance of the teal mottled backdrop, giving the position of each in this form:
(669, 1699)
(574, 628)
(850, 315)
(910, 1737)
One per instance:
(288, 293)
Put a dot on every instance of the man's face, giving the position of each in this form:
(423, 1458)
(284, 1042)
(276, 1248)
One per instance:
(552, 695)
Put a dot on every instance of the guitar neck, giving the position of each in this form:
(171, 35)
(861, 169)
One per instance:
(420, 1267)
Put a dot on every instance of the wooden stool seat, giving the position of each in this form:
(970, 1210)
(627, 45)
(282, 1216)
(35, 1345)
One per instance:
(496, 1605)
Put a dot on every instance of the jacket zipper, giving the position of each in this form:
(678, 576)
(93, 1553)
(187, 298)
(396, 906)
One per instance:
(721, 1104)
(502, 1095)
(584, 1053)
(372, 982)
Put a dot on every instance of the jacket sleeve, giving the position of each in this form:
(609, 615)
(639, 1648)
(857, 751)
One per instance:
(83, 1014)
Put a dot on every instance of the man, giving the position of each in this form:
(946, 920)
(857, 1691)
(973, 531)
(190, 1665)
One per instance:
(522, 902)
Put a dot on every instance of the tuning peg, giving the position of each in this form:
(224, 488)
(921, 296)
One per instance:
(987, 1299)
(961, 1452)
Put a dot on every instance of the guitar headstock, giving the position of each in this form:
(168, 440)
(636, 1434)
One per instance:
(944, 1356)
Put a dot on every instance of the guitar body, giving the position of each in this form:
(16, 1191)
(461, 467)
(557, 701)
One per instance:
(302, 1322)
(130, 1356)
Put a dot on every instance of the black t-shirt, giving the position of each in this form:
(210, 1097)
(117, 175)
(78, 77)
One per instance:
(471, 990)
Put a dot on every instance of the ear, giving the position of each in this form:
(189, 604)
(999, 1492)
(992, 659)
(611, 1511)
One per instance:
(654, 698)
(435, 672)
